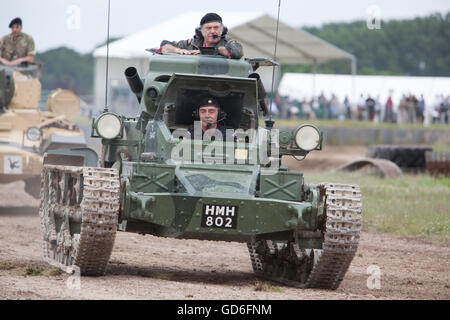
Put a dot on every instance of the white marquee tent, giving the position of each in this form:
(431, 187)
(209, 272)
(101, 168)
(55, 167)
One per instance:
(304, 86)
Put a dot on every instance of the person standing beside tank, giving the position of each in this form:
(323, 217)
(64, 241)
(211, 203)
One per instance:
(211, 33)
(16, 47)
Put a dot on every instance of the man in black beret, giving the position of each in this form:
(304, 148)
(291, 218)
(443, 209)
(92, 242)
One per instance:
(210, 117)
(211, 33)
(16, 47)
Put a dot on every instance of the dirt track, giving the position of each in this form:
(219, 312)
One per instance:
(145, 267)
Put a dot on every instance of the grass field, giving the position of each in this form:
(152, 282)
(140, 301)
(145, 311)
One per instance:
(413, 205)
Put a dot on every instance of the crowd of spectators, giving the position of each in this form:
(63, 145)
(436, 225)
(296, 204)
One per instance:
(409, 109)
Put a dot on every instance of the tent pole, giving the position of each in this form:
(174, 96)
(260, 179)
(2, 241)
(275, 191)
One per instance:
(314, 71)
(353, 61)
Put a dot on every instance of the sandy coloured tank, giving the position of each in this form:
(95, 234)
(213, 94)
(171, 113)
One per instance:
(26, 132)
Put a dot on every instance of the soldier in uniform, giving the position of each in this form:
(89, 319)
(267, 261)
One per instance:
(211, 33)
(16, 47)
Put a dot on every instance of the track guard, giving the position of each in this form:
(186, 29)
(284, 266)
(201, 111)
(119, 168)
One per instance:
(78, 157)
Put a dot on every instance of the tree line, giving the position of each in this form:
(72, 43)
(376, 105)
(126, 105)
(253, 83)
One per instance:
(411, 47)
(66, 68)
(416, 47)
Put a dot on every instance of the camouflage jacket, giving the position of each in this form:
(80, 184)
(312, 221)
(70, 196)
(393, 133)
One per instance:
(13, 48)
(233, 47)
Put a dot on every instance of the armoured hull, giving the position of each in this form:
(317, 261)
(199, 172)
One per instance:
(156, 176)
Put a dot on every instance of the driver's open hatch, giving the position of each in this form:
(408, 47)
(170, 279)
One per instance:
(237, 97)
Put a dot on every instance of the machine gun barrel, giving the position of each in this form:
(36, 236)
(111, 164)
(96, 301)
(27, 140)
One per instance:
(135, 82)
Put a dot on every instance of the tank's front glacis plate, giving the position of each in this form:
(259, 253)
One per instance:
(209, 202)
(212, 217)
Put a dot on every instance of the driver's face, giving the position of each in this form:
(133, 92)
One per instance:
(208, 114)
(16, 29)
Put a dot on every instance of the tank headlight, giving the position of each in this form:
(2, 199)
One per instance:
(307, 137)
(108, 125)
(33, 134)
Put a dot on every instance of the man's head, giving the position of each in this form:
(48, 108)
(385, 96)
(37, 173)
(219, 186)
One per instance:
(16, 26)
(211, 27)
(208, 112)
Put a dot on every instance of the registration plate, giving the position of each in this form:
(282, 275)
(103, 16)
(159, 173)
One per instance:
(219, 216)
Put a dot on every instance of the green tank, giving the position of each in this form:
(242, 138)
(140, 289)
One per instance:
(151, 178)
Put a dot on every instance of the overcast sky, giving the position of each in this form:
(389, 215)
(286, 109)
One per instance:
(81, 24)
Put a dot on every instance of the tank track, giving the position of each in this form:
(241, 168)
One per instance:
(314, 268)
(79, 214)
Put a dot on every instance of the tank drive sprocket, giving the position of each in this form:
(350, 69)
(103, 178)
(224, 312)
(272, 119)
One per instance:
(79, 214)
(322, 268)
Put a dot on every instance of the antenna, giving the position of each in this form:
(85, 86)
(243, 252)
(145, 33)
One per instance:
(269, 122)
(107, 59)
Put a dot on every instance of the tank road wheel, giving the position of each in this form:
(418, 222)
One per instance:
(79, 212)
(314, 268)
